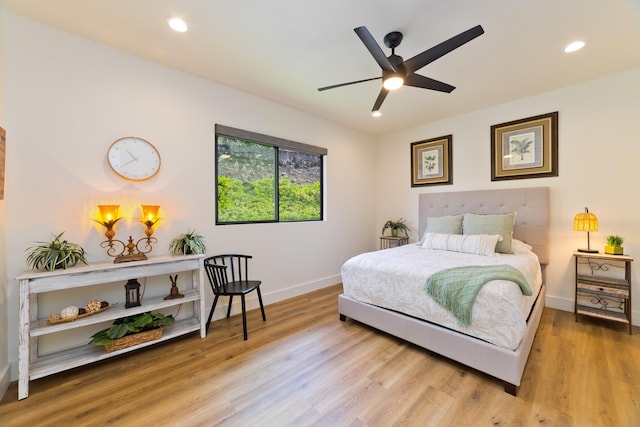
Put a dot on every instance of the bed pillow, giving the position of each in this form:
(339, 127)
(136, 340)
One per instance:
(520, 247)
(449, 224)
(501, 224)
(479, 244)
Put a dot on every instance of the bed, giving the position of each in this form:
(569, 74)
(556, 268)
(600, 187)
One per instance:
(503, 356)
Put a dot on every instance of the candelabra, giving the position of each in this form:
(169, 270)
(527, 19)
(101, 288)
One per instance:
(131, 250)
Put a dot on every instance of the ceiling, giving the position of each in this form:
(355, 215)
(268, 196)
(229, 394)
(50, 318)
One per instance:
(283, 50)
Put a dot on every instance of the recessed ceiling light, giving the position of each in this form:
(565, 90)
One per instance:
(376, 113)
(178, 25)
(572, 47)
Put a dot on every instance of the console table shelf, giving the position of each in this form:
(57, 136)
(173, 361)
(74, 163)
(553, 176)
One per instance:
(77, 356)
(32, 365)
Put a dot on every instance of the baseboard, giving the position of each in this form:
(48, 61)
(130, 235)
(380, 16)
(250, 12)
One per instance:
(4, 380)
(272, 297)
(558, 303)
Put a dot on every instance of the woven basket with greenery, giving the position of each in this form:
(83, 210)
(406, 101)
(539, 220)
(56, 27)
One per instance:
(134, 339)
(131, 330)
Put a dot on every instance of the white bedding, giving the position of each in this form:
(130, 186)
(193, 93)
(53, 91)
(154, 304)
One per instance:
(394, 279)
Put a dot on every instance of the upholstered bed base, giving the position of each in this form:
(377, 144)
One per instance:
(506, 365)
(531, 226)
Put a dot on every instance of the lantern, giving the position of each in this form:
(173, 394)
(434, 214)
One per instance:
(132, 289)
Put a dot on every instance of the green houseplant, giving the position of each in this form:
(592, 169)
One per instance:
(55, 254)
(614, 245)
(396, 227)
(188, 243)
(129, 326)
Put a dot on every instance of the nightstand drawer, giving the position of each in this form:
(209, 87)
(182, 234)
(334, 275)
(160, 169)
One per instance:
(607, 290)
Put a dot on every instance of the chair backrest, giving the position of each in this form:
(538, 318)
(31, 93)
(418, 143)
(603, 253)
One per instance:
(221, 269)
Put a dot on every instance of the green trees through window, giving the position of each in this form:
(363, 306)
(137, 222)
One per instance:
(266, 179)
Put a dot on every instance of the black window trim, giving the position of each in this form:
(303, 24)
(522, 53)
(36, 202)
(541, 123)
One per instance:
(278, 143)
(269, 140)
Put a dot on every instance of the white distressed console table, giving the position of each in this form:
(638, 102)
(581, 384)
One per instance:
(32, 366)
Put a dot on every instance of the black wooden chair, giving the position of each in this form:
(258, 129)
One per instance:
(229, 275)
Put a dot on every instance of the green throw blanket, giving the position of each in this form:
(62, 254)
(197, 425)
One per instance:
(456, 288)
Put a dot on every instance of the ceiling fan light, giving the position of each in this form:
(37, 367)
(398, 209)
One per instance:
(393, 83)
(178, 25)
(572, 47)
(376, 113)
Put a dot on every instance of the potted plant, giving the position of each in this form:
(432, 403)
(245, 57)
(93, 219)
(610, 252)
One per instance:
(55, 254)
(188, 243)
(131, 330)
(614, 245)
(396, 226)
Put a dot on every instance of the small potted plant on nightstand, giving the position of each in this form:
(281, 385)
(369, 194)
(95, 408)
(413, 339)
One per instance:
(614, 245)
(396, 226)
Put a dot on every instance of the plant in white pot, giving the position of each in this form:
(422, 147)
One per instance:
(189, 243)
(55, 254)
(396, 227)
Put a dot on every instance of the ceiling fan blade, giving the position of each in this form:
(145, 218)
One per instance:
(374, 49)
(348, 83)
(416, 80)
(381, 96)
(430, 55)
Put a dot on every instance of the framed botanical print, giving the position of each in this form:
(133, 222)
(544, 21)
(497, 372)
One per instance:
(526, 148)
(431, 161)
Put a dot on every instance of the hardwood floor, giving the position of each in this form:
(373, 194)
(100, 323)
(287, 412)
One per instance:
(304, 367)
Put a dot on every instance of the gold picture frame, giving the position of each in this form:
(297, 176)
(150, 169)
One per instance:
(431, 161)
(526, 148)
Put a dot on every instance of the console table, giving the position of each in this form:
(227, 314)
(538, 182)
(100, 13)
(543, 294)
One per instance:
(32, 366)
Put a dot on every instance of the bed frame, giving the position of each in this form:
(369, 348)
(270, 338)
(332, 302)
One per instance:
(531, 226)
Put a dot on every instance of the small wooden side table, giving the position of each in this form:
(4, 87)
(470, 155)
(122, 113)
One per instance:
(600, 292)
(387, 242)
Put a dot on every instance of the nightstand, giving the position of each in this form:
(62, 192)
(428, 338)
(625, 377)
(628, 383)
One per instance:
(603, 286)
(387, 242)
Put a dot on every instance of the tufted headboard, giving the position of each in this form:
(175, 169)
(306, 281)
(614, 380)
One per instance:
(530, 204)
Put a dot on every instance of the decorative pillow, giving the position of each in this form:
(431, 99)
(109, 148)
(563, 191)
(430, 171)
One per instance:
(450, 224)
(479, 244)
(520, 247)
(501, 224)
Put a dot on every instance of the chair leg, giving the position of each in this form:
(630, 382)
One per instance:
(229, 308)
(213, 307)
(244, 317)
(264, 318)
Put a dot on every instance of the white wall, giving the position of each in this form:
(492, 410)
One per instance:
(68, 98)
(4, 362)
(598, 168)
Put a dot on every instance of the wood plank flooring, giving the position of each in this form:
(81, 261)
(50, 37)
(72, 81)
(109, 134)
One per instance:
(304, 367)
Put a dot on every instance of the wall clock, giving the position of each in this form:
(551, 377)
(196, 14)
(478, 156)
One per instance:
(134, 158)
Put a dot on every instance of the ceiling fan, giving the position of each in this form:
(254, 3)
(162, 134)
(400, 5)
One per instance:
(396, 72)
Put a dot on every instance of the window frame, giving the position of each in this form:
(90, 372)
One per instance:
(277, 143)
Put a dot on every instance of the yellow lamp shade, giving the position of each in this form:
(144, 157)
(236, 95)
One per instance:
(149, 213)
(585, 221)
(109, 212)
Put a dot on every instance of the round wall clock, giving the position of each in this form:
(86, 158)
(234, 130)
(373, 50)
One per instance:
(134, 158)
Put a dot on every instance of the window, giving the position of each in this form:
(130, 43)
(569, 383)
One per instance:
(261, 178)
